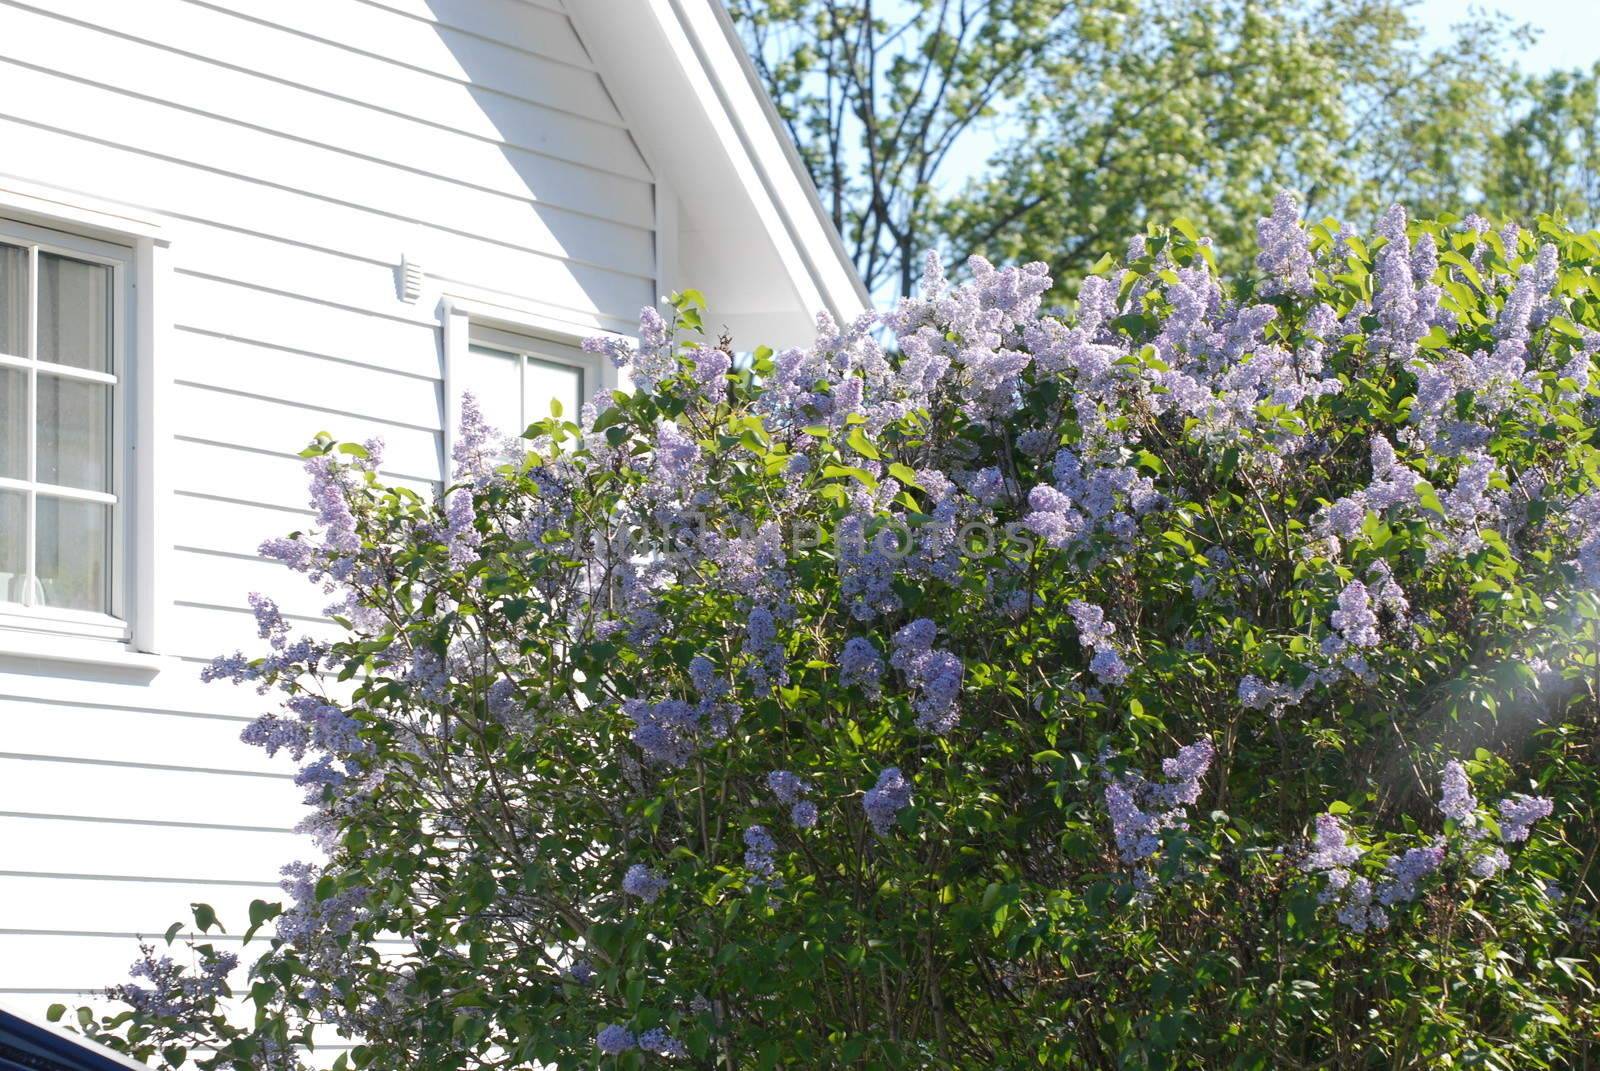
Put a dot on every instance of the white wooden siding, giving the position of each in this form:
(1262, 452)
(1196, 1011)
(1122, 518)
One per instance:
(298, 151)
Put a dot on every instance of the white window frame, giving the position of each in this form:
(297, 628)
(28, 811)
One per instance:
(136, 246)
(37, 241)
(472, 321)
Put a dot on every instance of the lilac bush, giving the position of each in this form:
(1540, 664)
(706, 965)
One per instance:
(1204, 676)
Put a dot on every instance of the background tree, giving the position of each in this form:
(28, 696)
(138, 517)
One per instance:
(878, 96)
(1052, 129)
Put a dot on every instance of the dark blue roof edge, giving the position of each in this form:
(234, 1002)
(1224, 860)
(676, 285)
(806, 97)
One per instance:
(57, 1046)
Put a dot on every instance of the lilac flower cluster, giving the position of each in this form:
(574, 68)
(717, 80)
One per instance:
(1354, 623)
(658, 1042)
(1519, 812)
(175, 992)
(1094, 631)
(768, 663)
(653, 360)
(614, 1040)
(1142, 810)
(1362, 905)
(861, 666)
(934, 675)
(317, 725)
(644, 883)
(666, 731)
(884, 800)
(791, 792)
(1456, 801)
(1285, 257)
(758, 851)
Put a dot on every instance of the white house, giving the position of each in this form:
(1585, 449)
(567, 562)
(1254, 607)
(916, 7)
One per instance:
(227, 225)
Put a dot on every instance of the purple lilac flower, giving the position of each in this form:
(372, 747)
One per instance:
(581, 972)
(643, 882)
(474, 451)
(867, 567)
(1395, 303)
(1140, 809)
(1254, 693)
(665, 731)
(175, 992)
(1456, 801)
(310, 920)
(1108, 666)
(709, 370)
(1358, 913)
(803, 814)
(1133, 828)
(1407, 871)
(703, 675)
(1052, 517)
(297, 554)
(935, 675)
(462, 535)
(1329, 850)
(938, 676)
(1386, 591)
(885, 799)
(1185, 769)
(860, 665)
(1346, 516)
(1519, 812)
(1488, 863)
(787, 787)
(1354, 621)
(1285, 256)
(673, 474)
(235, 667)
(270, 624)
(759, 848)
(613, 1040)
(652, 362)
(768, 662)
(658, 1041)
(1093, 629)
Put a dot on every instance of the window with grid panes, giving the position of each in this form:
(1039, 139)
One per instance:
(61, 434)
(515, 378)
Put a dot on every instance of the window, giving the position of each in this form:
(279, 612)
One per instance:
(63, 426)
(515, 377)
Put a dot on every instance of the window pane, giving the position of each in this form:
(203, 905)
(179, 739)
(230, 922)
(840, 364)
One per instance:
(13, 424)
(73, 557)
(13, 300)
(74, 312)
(13, 554)
(74, 433)
(491, 377)
(546, 380)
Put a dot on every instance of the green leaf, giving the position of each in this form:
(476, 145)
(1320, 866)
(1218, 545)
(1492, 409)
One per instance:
(205, 917)
(858, 441)
(904, 473)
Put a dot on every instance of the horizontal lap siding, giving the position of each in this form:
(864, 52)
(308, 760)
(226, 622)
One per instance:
(299, 152)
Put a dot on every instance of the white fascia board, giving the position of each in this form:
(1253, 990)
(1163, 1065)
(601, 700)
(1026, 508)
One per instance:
(775, 155)
(712, 138)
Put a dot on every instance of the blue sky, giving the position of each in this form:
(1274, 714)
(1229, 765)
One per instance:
(1571, 36)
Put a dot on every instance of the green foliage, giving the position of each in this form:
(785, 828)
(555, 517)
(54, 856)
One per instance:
(494, 657)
